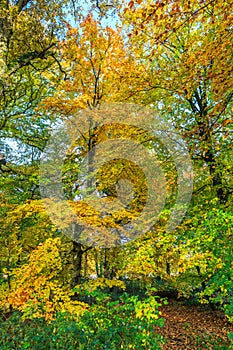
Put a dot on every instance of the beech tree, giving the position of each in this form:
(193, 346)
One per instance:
(176, 58)
(185, 49)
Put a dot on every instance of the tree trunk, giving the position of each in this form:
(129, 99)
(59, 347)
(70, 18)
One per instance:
(168, 268)
(199, 274)
(199, 107)
(77, 254)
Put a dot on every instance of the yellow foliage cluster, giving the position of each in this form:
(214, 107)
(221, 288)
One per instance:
(36, 290)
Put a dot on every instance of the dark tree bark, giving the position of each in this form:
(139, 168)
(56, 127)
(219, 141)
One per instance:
(77, 254)
(199, 106)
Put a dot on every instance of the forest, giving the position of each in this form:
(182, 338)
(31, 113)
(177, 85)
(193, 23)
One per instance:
(116, 211)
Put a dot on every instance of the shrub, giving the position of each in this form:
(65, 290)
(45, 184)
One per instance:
(127, 323)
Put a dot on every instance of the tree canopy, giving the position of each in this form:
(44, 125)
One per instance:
(107, 106)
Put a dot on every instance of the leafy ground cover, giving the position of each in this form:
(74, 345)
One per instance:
(194, 327)
(127, 323)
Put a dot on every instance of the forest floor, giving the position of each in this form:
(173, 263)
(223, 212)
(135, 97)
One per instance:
(194, 327)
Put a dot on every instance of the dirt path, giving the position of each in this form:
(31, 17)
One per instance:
(194, 327)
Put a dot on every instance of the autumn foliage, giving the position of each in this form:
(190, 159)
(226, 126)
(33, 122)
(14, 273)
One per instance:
(61, 62)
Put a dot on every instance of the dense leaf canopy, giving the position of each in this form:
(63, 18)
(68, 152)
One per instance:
(61, 64)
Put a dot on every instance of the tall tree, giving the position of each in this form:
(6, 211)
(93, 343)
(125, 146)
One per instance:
(186, 50)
